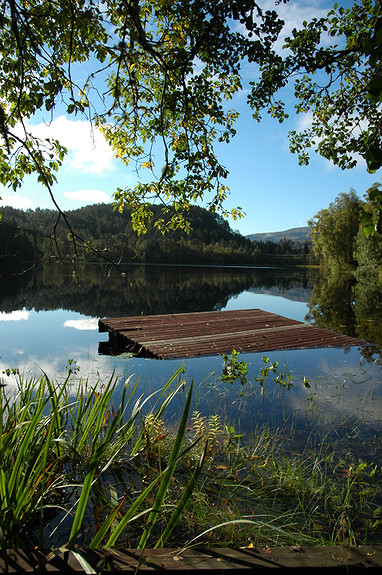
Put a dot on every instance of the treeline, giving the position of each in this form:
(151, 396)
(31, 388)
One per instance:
(339, 241)
(98, 231)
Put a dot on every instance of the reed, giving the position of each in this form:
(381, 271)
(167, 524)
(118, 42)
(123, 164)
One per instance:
(30, 473)
(72, 459)
(56, 449)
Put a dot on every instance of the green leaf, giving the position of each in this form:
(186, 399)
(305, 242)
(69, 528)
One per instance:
(162, 490)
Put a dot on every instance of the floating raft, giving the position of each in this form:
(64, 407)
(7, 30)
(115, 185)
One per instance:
(213, 333)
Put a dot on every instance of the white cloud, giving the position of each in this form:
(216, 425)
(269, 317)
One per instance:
(295, 12)
(304, 121)
(88, 196)
(82, 324)
(87, 148)
(14, 315)
(16, 201)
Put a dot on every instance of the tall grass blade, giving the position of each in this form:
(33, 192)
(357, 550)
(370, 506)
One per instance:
(129, 515)
(88, 482)
(162, 406)
(14, 483)
(183, 501)
(168, 473)
(28, 469)
(265, 526)
(124, 521)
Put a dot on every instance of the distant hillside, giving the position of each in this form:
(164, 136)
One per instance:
(97, 231)
(294, 234)
(101, 231)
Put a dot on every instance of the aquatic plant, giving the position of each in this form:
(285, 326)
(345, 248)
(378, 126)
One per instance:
(234, 369)
(56, 445)
(264, 490)
(98, 467)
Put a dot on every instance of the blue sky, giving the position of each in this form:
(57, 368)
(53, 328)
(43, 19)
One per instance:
(265, 178)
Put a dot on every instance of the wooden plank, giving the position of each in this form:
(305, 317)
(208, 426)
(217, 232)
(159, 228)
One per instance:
(208, 561)
(190, 347)
(211, 333)
(191, 319)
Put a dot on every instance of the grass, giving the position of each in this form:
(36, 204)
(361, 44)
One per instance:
(78, 469)
(56, 450)
(262, 490)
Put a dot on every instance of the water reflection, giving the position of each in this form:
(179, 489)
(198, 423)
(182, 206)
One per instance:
(14, 315)
(336, 302)
(146, 289)
(82, 324)
(59, 321)
(351, 307)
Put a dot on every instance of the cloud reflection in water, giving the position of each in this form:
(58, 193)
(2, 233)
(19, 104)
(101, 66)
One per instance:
(82, 324)
(14, 315)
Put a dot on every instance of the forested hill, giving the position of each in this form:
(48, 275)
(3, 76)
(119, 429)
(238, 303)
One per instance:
(100, 230)
(294, 234)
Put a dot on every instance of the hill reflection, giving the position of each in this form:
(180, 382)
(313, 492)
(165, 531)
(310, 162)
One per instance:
(338, 303)
(143, 289)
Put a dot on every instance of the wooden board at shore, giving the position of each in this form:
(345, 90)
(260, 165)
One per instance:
(212, 333)
(340, 559)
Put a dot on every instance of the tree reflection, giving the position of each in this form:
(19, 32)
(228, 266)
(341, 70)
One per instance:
(338, 302)
(332, 304)
(354, 308)
(145, 289)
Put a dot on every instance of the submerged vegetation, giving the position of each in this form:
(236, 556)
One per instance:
(99, 467)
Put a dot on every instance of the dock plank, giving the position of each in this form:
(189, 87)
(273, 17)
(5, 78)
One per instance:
(212, 333)
(340, 559)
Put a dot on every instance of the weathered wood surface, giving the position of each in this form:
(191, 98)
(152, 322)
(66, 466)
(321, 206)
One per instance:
(213, 333)
(332, 559)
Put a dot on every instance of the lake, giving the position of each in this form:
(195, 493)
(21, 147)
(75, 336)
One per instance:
(47, 319)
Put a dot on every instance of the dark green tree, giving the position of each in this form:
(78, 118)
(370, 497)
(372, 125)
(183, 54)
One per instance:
(334, 231)
(25, 236)
(368, 248)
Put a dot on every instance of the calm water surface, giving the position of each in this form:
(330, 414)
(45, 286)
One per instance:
(47, 319)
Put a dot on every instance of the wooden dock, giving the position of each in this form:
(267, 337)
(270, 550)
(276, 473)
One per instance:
(212, 333)
(337, 560)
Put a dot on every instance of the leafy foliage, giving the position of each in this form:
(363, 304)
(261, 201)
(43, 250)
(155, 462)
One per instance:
(157, 77)
(349, 302)
(234, 369)
(334, 231)
(340, 85)
(347, 234)
(370, 216)
(153, 75)
(283, 378)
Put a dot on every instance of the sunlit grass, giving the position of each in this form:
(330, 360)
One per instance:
(98, 466)
(57, 450)
(283, 495)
